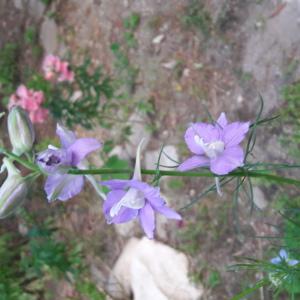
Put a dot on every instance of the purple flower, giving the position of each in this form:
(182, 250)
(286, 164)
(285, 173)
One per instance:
(283, 257)
(130, 199)
(56, 162)
(215, 146)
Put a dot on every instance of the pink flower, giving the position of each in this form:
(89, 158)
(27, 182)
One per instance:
(31, 101)
(56, 69)
(39, 116)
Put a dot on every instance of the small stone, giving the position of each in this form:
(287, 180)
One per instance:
(259, 198)
(186, 72)
(48, 35)
(23, 229)
(198, 66)
(158, 39)
(139, 132)
(240, 99)
(170, 65)
(192, 193)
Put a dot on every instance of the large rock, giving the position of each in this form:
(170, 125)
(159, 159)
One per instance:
(151, 270)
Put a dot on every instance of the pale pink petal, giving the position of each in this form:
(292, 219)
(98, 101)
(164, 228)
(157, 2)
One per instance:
(39, 116)
(22, 91)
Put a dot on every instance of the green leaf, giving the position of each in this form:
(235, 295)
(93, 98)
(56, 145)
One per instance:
(252, 289)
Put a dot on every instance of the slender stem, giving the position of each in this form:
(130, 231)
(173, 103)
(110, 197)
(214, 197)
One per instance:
(238, 173)
(27, 164)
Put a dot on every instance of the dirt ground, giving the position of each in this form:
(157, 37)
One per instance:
(242, 50)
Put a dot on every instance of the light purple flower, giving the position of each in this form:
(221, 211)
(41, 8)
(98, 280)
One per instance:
(283, 257)
(215, 146)
(130, 199)
(55, 162)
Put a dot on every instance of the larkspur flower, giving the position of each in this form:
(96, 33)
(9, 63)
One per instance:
(215, 146)
(55, 68)
(284, 257)
(55, 162)
(31, 101)
(130, 199)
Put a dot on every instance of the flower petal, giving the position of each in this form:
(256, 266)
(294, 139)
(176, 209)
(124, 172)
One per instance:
(152, 194)
(293, 262)
(63, 186)
(193, 162)
(22, 91)
(229, 160)
(222, 120)
(275, 260)
(283, 254)
(168, 212)
(147, 220)
(67, 137)
(234, 133)
(113, 198)
(117, 184)
(191, 142)
(124, 215)
(81, 148)
(137, 175)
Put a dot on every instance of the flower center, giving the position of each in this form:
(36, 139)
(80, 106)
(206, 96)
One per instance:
(211, 150)
(132, 199)
(52, 160)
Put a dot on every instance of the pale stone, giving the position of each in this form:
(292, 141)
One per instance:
(152, 270)
(158, 39)
(170, 64)
(48, 36)
(139, 131)
(259, 198)
(151, 158)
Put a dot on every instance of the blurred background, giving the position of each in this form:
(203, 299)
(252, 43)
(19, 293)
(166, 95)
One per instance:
(148, 68)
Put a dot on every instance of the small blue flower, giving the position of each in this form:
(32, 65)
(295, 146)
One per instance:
(283, 256)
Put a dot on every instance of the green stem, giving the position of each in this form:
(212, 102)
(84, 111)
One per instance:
(238, 173)
(18, 159)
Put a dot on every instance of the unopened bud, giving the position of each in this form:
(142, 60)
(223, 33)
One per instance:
(20, 130)
(13, 191)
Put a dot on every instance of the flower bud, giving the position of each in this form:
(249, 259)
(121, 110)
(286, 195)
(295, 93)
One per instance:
(13, 191)
(20, 130)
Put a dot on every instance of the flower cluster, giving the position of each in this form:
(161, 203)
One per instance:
(215, 146)
(31, 101)
(56, 69)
